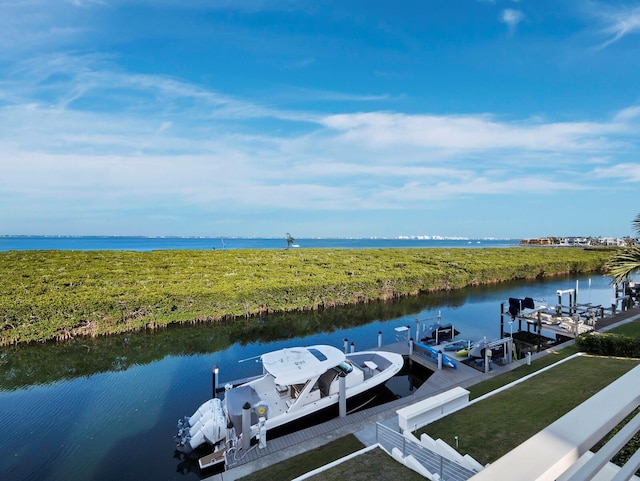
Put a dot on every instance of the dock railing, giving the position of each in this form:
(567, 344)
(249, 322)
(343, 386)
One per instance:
(431, 461)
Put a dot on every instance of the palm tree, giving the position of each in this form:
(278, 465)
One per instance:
(626, 261)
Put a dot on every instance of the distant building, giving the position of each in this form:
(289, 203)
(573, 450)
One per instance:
(580, 241)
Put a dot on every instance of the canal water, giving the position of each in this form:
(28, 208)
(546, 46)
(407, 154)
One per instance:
(106, 409)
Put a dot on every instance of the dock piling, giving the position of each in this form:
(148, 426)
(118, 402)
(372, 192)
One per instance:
(487, 360)
(214, 381)
(342, 395)
(246, 427)
(262, 433)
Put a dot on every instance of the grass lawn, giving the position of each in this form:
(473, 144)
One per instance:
(491, 428)
(631, 329)
(375, 464)
(305, 462)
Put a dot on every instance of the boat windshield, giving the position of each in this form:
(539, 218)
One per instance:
(344, 367)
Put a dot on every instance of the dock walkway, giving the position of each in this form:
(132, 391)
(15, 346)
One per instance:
(363, 423)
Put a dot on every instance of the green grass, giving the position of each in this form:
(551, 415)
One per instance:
(496, 382)
(303, 463)
(372, 465)
(631, 329)
(62, 294)
(512, 416)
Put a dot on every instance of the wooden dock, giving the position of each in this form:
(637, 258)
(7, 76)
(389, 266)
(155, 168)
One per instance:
(313, 437)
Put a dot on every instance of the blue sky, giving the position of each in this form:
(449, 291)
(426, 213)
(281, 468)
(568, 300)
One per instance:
(337, 118)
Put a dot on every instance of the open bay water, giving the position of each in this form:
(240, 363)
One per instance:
(135, 243)
(106, 409)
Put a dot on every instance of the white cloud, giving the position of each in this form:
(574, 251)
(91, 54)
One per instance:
(465, 133)
(623, 171)
(511, 18)
(630, 113)
(163, 141)
(375, 160)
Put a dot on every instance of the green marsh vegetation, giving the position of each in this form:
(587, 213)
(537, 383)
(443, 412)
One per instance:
(64, 294)
(41, 363)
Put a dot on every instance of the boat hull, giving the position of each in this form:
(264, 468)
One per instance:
(252, 395)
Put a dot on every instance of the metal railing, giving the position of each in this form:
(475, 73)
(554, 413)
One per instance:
(433, 462)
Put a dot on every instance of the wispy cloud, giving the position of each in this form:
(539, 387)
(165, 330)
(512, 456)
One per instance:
(511, 18)
(619, 21)
(462, 133)
(629, 173)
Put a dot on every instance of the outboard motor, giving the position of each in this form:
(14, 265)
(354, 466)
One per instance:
(208, 424)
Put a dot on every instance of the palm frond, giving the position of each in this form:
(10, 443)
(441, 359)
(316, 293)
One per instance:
(636, 224)
(624, 263)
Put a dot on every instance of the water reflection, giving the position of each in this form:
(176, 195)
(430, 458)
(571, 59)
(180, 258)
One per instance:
(42, 363)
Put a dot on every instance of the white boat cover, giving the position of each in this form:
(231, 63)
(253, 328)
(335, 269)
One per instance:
(298, 365)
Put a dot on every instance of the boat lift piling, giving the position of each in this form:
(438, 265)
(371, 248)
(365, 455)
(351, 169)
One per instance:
(487, 360)
(342, 395)
(246, 426)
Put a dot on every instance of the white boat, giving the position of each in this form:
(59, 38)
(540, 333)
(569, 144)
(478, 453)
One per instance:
(296, 382)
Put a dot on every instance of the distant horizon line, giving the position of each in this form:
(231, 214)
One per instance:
(398, 237)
